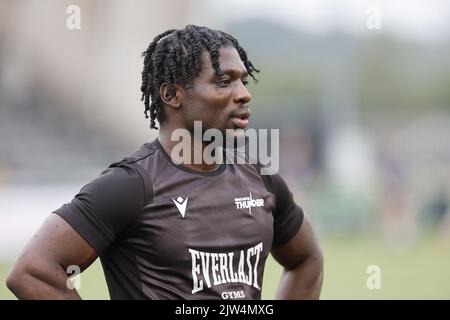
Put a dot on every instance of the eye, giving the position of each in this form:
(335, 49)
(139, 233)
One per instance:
(245, 82)
(224, 82)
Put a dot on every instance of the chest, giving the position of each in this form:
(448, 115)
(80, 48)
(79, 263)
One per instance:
(207, 215)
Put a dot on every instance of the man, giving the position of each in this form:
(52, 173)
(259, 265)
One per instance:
(192, 230)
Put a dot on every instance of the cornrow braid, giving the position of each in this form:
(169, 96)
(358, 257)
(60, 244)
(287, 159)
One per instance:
(174, 57)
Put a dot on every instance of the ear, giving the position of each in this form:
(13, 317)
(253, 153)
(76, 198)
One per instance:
(175, 101)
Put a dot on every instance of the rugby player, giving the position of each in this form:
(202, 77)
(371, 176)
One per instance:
(167, 230)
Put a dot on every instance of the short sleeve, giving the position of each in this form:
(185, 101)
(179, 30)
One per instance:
(288, 216)
(108, 205)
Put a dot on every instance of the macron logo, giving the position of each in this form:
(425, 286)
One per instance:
(181, 204)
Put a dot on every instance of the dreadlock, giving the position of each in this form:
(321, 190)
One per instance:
(174, 57)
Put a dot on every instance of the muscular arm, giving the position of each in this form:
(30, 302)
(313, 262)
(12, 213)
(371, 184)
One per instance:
(302, 260)
(39, 272)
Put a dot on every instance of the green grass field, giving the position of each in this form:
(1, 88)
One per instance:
(422, 271)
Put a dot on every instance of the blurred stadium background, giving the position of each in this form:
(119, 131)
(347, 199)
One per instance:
(363, 113)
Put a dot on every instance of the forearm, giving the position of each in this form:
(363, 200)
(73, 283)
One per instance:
(302, 282)
(49, 283)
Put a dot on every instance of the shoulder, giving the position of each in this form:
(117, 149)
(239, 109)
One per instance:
(276, 185)
(127, 177)
(136, 159)
(272, 180)
(133, 169)
(146, 151)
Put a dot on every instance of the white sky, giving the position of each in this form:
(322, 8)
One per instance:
(423, 20)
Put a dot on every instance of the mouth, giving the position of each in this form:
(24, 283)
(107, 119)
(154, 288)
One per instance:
(240, 118)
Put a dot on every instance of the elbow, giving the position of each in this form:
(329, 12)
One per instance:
(10, 282)
(319, 256)
(15, 279)
(318, 259)
(19, 277)
(315, 258)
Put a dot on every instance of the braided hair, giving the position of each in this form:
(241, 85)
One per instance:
(174, 57)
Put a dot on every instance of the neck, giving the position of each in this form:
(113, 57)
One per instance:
(164, 136)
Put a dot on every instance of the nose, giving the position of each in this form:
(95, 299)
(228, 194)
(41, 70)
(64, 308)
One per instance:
(242, 94)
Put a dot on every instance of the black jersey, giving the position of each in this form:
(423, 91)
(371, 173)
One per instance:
(163, 231)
